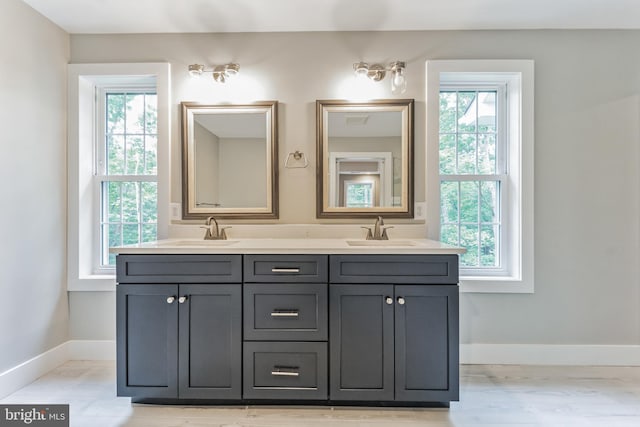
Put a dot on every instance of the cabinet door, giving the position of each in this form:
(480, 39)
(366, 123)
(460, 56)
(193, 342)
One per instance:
(361, 342)
(147, 336)
(210, 341)
(426, 339)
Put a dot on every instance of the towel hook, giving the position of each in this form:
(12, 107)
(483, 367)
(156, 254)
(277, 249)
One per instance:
(297, 156)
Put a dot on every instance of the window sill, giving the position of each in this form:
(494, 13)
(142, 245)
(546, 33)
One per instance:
(93, 283)
(495, 284)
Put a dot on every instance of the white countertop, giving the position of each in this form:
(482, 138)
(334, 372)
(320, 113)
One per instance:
(290, 246)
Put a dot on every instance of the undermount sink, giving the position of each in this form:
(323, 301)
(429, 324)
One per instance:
(381, 243)
(200, 243)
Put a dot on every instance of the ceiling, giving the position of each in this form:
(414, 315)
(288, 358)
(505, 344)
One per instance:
(194, 16)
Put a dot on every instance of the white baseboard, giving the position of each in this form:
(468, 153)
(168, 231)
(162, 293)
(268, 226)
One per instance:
(544, 354)
(19, 376)
(27, 372)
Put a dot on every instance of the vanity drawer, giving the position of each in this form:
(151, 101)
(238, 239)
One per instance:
(394, 269)
(285, 311)
(285, 370)
(285, 268)
(179, 268)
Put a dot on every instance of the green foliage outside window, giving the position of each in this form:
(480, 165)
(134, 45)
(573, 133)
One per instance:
(129, 207)
(359, 195)
(469, 198)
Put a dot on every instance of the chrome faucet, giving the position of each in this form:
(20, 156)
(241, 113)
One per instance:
(213, 231)
(379, 230)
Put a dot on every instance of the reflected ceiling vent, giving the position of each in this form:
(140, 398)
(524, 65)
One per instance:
(356, 119)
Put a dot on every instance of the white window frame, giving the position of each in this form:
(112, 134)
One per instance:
(84, 80)
(517, 197)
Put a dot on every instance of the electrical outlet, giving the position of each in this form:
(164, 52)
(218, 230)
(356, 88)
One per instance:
(420, 210)
(175, 212)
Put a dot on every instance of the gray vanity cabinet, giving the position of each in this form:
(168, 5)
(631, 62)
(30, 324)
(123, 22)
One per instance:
(394, 342)
(332, 329)
(178, 340)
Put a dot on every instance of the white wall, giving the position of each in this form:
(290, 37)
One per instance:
(242, 172)
(33, 307)
(206, 159)
(587, 185)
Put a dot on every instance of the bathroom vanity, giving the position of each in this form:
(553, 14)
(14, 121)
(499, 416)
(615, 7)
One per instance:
(312, 321)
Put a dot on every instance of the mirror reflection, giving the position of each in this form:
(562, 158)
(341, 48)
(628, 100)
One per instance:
(365, 153)
(229, 153)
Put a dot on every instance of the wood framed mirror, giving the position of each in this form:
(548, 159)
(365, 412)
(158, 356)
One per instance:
(364, 158)
(229, 160)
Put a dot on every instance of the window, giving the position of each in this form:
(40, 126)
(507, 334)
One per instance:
(126, 168)
(118, 156)
(480, 169)
(473, 174)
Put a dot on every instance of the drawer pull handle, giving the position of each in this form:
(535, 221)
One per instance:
(285, 270)
(285, 313)
(170, 300)
(182, 300)
(285, 371)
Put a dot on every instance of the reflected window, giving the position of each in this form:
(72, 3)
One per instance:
(358, 194)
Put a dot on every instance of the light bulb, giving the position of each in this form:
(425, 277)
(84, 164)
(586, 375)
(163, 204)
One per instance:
(361, 69)
(231, 70)
(398, 78)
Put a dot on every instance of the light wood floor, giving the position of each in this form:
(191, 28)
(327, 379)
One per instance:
(490, 396)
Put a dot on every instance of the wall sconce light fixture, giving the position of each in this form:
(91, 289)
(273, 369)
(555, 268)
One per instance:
(377, 72)
(220, 73)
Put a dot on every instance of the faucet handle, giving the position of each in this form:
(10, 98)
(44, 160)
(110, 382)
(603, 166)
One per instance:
(384, 232)
(369, 235)
(223, 234)
(207, 234)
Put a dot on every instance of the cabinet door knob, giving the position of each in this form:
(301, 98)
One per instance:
(401, 301)
(182, 300)
(170, 300)
(388, 300)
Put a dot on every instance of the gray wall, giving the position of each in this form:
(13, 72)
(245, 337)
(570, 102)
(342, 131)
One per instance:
(33, 307)
(587, 184)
